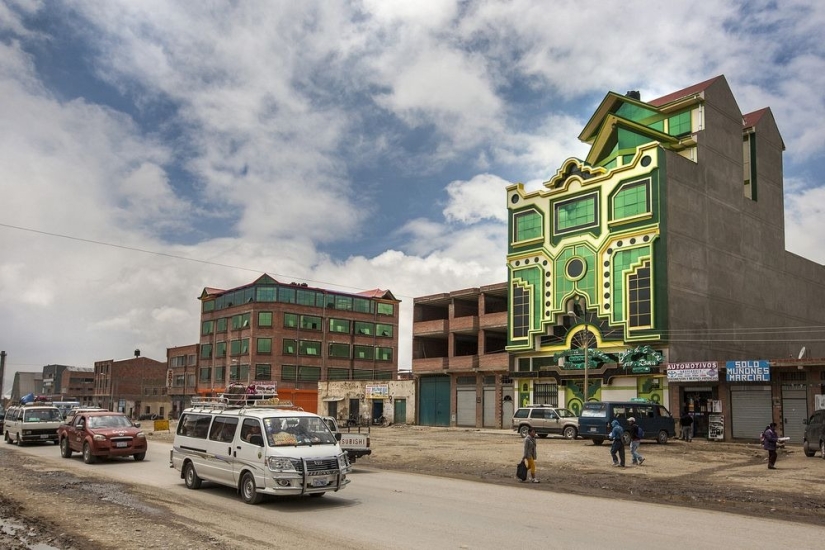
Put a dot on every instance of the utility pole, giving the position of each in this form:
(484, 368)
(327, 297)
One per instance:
(2, 374)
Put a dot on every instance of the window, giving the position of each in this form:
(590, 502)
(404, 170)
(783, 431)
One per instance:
(638, 297)
(239, 347)
(221, 325)
(344, 303)
(289, 346)
(208, 306)
(632, 200)
(679, 125)
(305, 298)
(339, 325)
(238, 373)
(339, 350)
(576, 213)
(263, 372)
(205, 374)
(527, 225)
(362, 305)
(385, 309)
(337, 374)
(749, 165)
(521, 311)
(288, 372)
(309, 373)
(220, 375)
(364, 329)
(286, 295)
(193, 359)
(290, 320)
(266, 293)
(240, 321)
(309, 347)
(362, 352)
(383, 330)
(220, 349)
(264, 318)
(310, 322)
(223, 429)
(383, 354)
(206, 351)
(207, 327)
(264, 345)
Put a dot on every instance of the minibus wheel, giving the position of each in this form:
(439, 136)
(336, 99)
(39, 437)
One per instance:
(249, 492)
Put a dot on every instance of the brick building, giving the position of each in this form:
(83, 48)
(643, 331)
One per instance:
(294, 336)
(134, 386)
(181, 376)
(459, 358)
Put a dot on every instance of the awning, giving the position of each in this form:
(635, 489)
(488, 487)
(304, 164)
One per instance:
(332, 399)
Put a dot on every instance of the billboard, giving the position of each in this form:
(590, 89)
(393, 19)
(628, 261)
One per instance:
(707, 371)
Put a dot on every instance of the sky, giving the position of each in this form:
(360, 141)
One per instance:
(150, 149)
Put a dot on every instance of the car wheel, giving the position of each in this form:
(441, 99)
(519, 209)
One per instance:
(140, 456)
(542, 435)
(523, 429)
(625, 438)
(249, 491)
(19, 441)
(88, 457)
(570, 432)
(662, 437)
(8, 439)
(317, 495)
(806, 448)
(822, 448)
(190, 476)
(65, 450)
(598, 441)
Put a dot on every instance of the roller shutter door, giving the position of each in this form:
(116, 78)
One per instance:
(750, 411)
(490, 408)
(466, 407)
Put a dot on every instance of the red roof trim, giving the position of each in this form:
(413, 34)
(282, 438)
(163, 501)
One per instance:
(752, 119)
(690, 90)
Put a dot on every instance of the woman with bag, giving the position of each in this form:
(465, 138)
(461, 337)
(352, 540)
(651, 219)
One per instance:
(530, 454)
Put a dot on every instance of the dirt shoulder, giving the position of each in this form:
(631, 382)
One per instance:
(720, 476)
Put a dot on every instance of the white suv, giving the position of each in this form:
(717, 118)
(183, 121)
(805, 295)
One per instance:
(32, 423)
(546, 420)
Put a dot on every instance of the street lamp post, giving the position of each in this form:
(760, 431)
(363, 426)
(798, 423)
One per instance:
(586, 345)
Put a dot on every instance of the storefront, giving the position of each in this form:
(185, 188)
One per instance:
(698, 395)
(750, 397)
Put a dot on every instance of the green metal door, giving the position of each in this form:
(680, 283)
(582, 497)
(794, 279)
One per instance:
(400, 412)
(434, 401)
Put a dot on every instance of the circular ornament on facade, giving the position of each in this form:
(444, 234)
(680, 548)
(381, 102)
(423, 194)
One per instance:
(547, 284)
(575, 268)
(607, 285)
(606, 306)
(526, 261)
(619, 244)
(518, 263)
(547, 294)
(547, 304)
(606, 295)
(632, 241)
(646, 160)
(606, 263)
(536, 259)
(544, 262)
(606, 274)
(514, 199)
(646, 238)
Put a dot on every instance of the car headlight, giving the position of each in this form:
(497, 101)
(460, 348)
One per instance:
(98, 437)
(343, 461)
(140, 435)
(280, 464)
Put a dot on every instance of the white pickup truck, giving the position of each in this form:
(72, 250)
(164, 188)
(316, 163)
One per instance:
(356, 444)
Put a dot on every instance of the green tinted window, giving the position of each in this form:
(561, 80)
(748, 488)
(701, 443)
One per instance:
(264, 345)
(383, 354)
(220, 349)
(383, 330)
(679, 124)
(385, 309)
(310, 322)
(264, 318)
(632, 200)
(362, 305)
(527, 225)
(266, 293)
(337, 374)
(221, 325)
(206, 351)
(339, 325)
(290, 320)
(576, 213)
(339, 350)
(206, 327)
(309, 347)
(362, 352)
(364, 329)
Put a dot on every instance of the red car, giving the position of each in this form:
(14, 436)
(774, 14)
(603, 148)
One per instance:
(101, 434)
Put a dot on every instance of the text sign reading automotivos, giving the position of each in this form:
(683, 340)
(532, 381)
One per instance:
(748, 371)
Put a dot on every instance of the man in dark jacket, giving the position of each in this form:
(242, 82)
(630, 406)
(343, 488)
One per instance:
(618, 445)
(769, 439)
(686, 422)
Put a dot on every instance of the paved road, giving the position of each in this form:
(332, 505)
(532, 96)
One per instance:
(382, 509)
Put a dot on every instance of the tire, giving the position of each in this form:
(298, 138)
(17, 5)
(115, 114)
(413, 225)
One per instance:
(542, 435)
(19, 441)
(570, 432)
(7, 438)
(523, 429)
(88, 457)
(65, 450)
(317, 495)
(598, 441)
(140, 456)
(806, 448)
(190, 476)
(249, 490)
(625, 438)
(822, 449)
(661, 438)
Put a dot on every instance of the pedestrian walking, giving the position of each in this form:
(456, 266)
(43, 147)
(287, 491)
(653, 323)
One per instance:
(618, 445)
(686, 422)
(530, 453)
(769, 439)
(636, 434)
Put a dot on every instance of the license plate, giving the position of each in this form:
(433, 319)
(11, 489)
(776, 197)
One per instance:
(594, 429)
(44, 436)
(121, 444)
(320, 482)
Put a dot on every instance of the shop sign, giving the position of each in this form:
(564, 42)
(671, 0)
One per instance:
(748, 371)
(377, 391)
(693, 372)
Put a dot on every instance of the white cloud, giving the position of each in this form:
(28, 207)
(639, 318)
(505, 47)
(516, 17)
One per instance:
(479, 198)
(805, 223)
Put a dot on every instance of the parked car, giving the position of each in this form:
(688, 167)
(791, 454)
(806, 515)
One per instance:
(546, 420)
(654, 419)
(814, 438)
(2, 420)
(355, 444)
(101, 434)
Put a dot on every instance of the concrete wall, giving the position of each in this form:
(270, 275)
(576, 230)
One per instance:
(352, 389)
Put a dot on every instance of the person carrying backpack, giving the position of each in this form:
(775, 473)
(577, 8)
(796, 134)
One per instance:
(769, 439)
(636, 434)
(617, 447)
